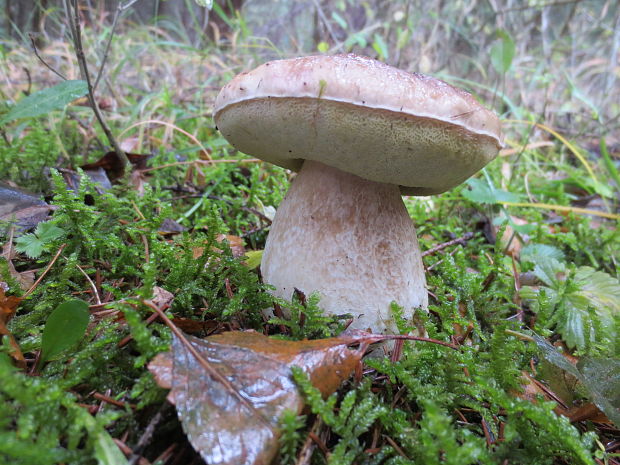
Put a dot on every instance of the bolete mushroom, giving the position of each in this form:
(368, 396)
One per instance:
(359, 133)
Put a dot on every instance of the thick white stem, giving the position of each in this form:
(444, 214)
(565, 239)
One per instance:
(351, 240)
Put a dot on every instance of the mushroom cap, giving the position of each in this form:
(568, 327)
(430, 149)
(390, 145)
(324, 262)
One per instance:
(360, 116)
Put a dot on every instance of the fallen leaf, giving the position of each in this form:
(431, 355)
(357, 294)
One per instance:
(97, 175)
(161, 297)
(510, 241)
(587, 412)
(113, 165)
(169, 227)
(599, 378)
(21, 208)
(234, 242)
(223, 428)
(8, 307)
(24, 278)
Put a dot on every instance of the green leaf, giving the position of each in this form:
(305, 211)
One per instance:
(46, 100)
(481, 192)
(600, 289)
(34, 244)
(340, 20)
(550, 271)
(502, 52)
(64, 327)
(380, 47)
(106, 450)
(253, 258)
(585, 303)
(535, 253)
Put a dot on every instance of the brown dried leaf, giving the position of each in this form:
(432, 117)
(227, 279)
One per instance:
(235, 243)
(8, 307)
(24, 278)
(221, 427)
(113, 166)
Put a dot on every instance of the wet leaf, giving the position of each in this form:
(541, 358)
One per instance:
(8, 307)
(599, 377)
(21, 208)
(113, 165)
(46, 100)
(220, 426)
(24, 278)
(64, 327)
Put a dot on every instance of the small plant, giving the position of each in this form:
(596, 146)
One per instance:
(582, 304)
(41, 240)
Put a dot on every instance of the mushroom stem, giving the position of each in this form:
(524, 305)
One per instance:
(349, 239)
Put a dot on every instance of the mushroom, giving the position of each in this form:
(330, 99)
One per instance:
(360, 134)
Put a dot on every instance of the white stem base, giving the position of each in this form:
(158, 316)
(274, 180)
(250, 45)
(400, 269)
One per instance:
(351, 240)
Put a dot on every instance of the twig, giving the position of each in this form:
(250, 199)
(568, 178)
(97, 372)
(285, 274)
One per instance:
(175, 128)
(76, 33)
(47, 65)
(460, 240)
(119, 10)
(243, 207)
(110, 400)
(36, 283)
(147, 435)
(324, 19)
(204, 363)
(440, 261)
(92, 285)
(309, 445)
(407, 337)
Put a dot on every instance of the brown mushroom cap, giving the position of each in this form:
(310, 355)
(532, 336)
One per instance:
(360, 116)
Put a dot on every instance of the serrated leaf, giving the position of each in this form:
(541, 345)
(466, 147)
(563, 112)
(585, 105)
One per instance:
(550, 271)
(29, 244)
(64, 327)
(535, 253)
(599, 288)
(572, 326)
(502, 52)
(481, 192)
(46, 100)
(48, 232)
(591, 297)
(34, 244)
